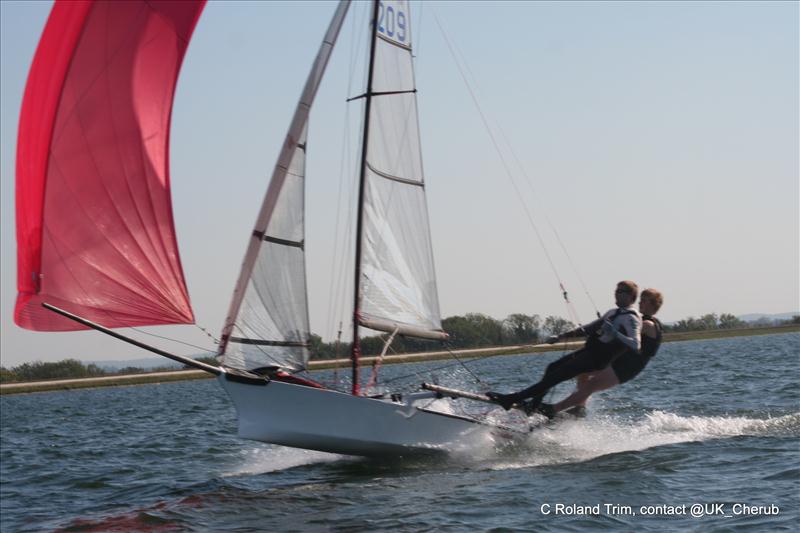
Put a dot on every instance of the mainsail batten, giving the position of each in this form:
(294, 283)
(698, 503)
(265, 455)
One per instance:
(95, 232)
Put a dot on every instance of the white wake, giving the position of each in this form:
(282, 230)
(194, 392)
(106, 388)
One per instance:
(583, 439)
(263, 458)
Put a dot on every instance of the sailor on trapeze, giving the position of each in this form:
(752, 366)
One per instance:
(609, 337)
(624, 368)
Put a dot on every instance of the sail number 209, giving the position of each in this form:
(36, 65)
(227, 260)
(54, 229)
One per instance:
(392, 20)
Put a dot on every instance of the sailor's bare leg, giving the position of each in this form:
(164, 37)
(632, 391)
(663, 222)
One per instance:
(582, 381)
(588, 384)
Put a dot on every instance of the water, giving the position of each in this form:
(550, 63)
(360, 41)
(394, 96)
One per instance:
(709, 422)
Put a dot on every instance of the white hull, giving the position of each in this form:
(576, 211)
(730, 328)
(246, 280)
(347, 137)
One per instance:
(330, 421)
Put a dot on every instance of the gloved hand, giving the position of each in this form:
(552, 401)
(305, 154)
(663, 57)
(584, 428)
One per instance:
(552, 339)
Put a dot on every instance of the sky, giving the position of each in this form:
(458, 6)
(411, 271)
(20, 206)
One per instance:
(660, 140)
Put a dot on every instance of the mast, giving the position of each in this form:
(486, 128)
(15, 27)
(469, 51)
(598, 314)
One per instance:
(356, 347)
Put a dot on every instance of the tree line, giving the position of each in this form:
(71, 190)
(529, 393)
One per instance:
(713, 321)
(66, 369)
(473, 330)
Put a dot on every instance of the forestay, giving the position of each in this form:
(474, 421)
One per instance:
(267, 323)
(398, 284)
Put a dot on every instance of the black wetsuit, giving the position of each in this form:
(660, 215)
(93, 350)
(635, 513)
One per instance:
(595, 355)
(628, 365)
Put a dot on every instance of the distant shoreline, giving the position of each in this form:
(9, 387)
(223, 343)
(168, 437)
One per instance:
(184, 375)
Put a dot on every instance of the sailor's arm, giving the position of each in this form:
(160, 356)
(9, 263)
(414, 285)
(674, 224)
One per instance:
(649, 329)
(630, 334)
(580, 331)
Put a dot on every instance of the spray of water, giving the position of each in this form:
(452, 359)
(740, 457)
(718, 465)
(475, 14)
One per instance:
(568, 441)
(262, 458)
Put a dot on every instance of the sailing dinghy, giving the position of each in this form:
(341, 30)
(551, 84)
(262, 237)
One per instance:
(96, 241)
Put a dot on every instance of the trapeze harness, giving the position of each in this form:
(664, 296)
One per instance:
(628, 365)
(601, 354)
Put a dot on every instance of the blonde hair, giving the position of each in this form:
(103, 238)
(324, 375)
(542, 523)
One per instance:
(655, 297)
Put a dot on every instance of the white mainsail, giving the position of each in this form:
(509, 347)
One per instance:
(267, 323)
(398, 283)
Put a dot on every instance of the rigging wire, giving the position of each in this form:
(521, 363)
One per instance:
(464, 366)
(570, 308)
(209, 335)
(177, 340)
(345, 312)
(550, 224)
(419, 375)
(336, 357)
(458, 362)
(345, 162)
(339, 282)
(418, 38)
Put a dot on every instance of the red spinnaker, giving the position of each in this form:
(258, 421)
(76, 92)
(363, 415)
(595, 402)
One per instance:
(95, 231)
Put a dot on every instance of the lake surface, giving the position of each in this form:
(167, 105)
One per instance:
(712, 423)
